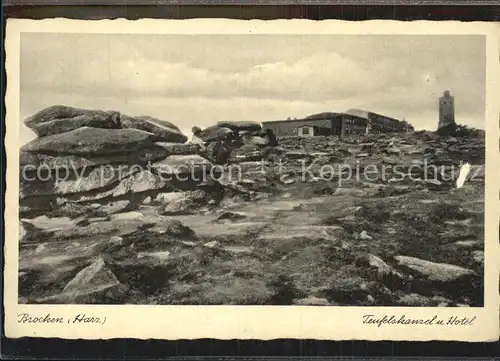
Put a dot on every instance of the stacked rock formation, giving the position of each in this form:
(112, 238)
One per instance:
(83, 157)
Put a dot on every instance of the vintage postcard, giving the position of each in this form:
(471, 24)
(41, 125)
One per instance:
(252, 179)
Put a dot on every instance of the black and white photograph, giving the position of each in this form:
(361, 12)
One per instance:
(252, 170)
(315, 170)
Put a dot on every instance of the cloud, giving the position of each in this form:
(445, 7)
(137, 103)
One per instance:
(202, 79)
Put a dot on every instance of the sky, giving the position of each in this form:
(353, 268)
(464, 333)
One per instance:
(201, 79)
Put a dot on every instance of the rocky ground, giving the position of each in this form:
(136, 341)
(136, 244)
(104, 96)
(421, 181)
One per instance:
(275, 236)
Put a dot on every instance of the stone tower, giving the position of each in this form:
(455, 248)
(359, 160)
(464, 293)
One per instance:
(446, 110)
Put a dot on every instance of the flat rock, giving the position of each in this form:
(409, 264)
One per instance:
(94, 284)
(139, 182)
(227, 230)
(239, 249)
(86, 140)
(467, 243)
(97, 178)
(196, 196)
(296, 155)
(415, 300)
(344, 191)
(128, 216)
(179, 148)
(286, 239)
(389, 160)
(46, 223)
(156, 256)
(92, 119)
(213, 133)
(311, 301)
(60, 119)
(166, 198)
(93, 229)
(182, 165)
(162, 129)
(31, 162)
(437, 272)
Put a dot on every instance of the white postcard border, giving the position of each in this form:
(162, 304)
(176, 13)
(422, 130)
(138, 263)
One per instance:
(250, 322)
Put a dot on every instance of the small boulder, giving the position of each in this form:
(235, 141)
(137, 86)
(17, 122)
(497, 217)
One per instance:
(478, 257)
(113, 207)
(166, 198)
(115, 241)
(365, 236)
(212, 244)
(179, 229)
(393, 150)
(178, 207)
(369, 260)
(229, 215)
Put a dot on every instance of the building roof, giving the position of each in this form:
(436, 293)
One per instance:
(321, 115)
(357, 113)
(291, 121)
(364, 114)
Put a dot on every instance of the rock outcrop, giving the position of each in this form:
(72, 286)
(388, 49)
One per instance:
(87, 156)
